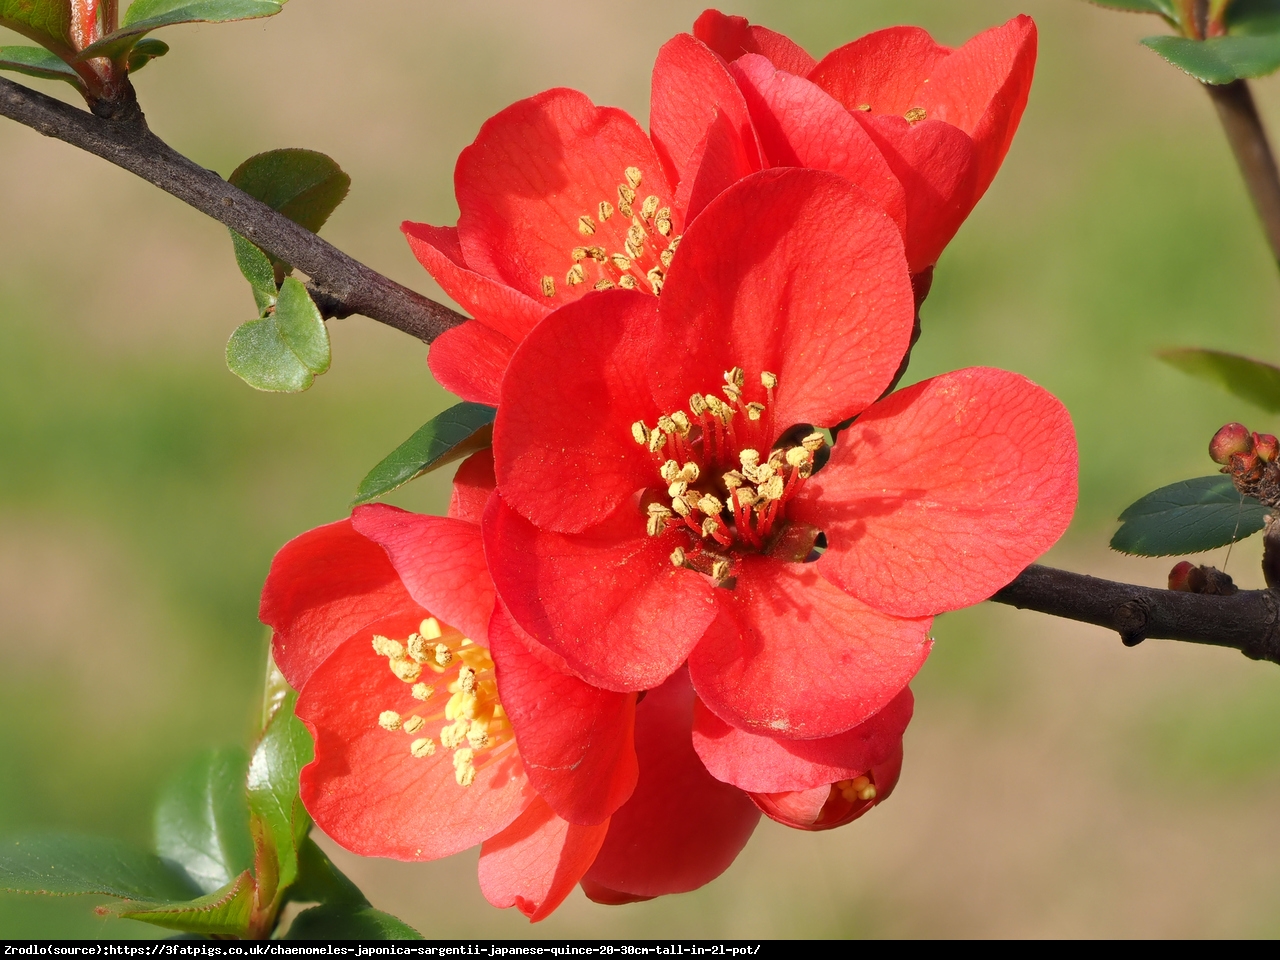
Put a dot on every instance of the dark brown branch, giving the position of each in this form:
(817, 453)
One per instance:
(341, 284)
(1248, 621)
(1248, 139)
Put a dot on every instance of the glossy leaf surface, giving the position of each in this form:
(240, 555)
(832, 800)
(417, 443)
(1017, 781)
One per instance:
(305, 185)
(1220, 60)
(225, 912)
(202, 819)
(143, 16)
(285, 748)
(146, 51)
(345, 922)
(256, 267)
(45, 21)
(66, 864)
(457, 432)
(37, 62)
(319, 881)
(1249, 379)
(284, 351)
(1188, 517)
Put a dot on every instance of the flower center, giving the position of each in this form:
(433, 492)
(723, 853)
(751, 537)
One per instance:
(724, 495)
(463, 700)
(639, 233)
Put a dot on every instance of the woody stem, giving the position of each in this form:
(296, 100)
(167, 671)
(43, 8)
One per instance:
(1248, 139)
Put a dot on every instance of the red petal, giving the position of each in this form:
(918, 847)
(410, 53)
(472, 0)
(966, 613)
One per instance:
(718, 162)
(576, 740)
(365, 789)
(761, 764)
(690, 88)
(469, 360)
(323, 586)
(802, 126)
(885, 69)
(940, 494)
(472, 485)
(756, 285)
(598, 893)
(563, 449)
(824, 807)
(440, 561)
(731, 37)
(495, 304)
(533, 170)
(792, 655)
(535, 863)
(608, 600)
(682, 827)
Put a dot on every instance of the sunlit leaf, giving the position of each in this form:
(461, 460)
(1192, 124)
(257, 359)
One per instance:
(1190, 516)
(345, 922)
(256, 268)
(448, 436)
(64, 864)
(305, 185)
(37, 62)
(284, 351)
(143, 16)
(202, 819)
(47, 22)
(284, 749)
(226, 912)
(1249, 379)
(1220, 59)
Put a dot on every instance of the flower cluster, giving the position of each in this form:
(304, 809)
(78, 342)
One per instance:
(697, 570)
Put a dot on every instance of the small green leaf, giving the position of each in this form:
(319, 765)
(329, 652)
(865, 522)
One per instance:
(38, 62)
(343, 922)
(1163, 8)
(285, 350)
(225, 912)
(285, 748)
(143, 16)
(458, 431)
(1252, 18)
(144, 52)
(47, 22)
(275, 689)
(1190, 516)
(1249, 379)
(1220, 59)
(319, 881)
(304, 185)
(256, 268)
(66, 864)
(202, 819)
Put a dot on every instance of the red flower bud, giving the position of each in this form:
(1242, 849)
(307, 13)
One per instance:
(832, 805)
(1265, 446)
(1186, 576)
(1232, 440)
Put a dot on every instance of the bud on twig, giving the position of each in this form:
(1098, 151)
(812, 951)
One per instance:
(1232, 440)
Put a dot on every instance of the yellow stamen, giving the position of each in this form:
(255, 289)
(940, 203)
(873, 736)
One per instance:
(586, 226)
(548, 286)
(389, 720)
(605, 211)
(634, 176)
(423, 747)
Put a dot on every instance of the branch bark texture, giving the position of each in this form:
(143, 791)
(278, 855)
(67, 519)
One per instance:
(342, 286)
(1248, 621)
(1248, 139)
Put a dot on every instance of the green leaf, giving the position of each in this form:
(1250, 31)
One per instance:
(144, 52)
(143, 16)
(458, 431)
(202, 819)
(47, 22)
(65, 864)
(256, 268)
(285, 350)
(226, 912)
(319, 881)
(1190, 516)
(1220, 59)
(304, 185)
(284, 749)
(37, 62)
(344, 922)
(1249, 379)
(1252, 18)
(1163, 8)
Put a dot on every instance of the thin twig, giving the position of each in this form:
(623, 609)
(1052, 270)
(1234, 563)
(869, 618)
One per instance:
(1248, 621)
(1248, 139)
(342, 285)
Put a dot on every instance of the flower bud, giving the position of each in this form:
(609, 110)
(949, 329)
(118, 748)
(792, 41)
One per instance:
(832, 805)
(1265, 446)
(1232, 440)
(1186, 576)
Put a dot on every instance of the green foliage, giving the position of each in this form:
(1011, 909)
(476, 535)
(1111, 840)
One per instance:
(48, 22)
(1249, 379)
(304, 185)
(256, 268)
(319, 881)
(143, 16)
(1190, 516)
(1248, 18)
(144, 52)
(1163, 8)
(280, 820)
(64, 864)
(448, 436)
(345, 922)
(202, 819)
(1220, 59)
(37, 62)
(225, 912)
(287, 349)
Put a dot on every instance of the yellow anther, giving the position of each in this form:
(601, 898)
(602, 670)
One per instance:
(763, 473)
(576, 275)
(657, 440)
(605, 285)
(867, 793)
(732, 392)
(649, 207)
(417, 648)
(579, 253)
(746, 496)
(864, 107)
(384, 647)
(659, 509)
(467, 679)
(667, 424)
(797, 456)
(621, 262)
(634, 177)
(656, 524)
(598, 254)
(634, 250)
(710, 505)
(714, 404)
(443, 655)
(690, 472)
(733, 480)
(677, 557)
(636, 233)
(669, 471)
(681, 506)
(627, 282)
(422, 692)
(663, 221)
(389, 720)
(478, 735)
(424, 747)
(677, 488)
(548, 286)
(586, 226)
(915, 115)
(453, 735)
(709, 526)
(605, 211)
(666, 256)
(755, 411)
(626, 197)
(749, 458)
(771, 489)
(406, 669)
(697, 405)
(720, 569)
(768, 380)
(675, 242)
(814, 442)
(639, 432)
(682, 423)
(735, 376)
(414, 724)
(465, 776)
(430, 629)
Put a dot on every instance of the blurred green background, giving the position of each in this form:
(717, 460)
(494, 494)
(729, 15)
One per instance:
(1056, 784)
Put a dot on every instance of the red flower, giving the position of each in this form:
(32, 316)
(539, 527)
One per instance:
(631, 535)
(943, 119)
